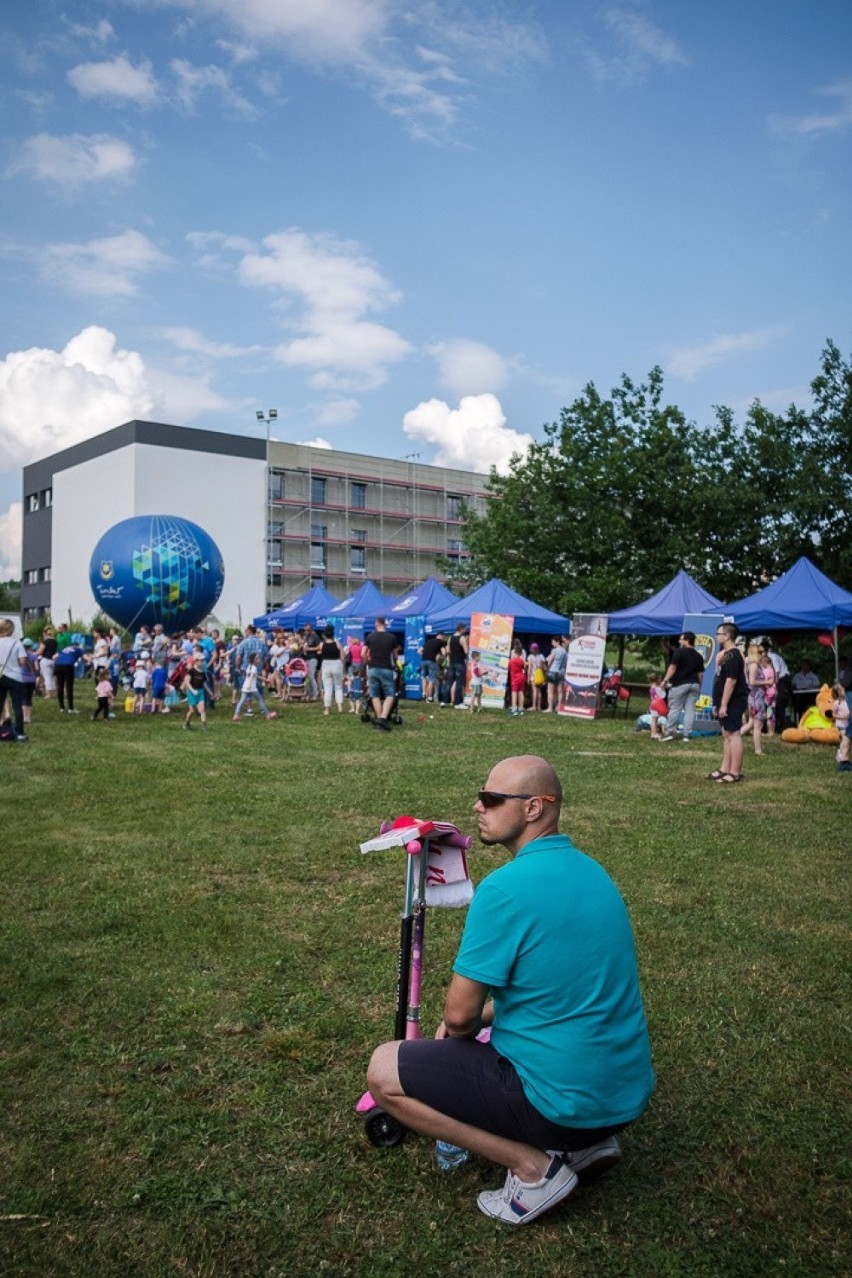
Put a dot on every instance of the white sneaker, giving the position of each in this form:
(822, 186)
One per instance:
(517, 1202)
(593, 1160)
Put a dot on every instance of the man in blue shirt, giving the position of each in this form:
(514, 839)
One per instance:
(548, 962)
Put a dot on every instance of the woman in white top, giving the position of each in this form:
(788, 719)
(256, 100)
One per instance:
(13, 655)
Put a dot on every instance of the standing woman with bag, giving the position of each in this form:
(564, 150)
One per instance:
(13, 655)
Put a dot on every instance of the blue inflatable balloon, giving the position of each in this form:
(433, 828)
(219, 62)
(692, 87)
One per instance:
(156, 570)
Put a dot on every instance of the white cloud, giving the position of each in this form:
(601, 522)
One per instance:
(337, 412)
(102, 33)
(688, 361)
(317, 442)
(337, 287)
(75, 159)
(118, 80)
(51, 399)
(109, 267)
(195, 343)
(181, 398)
(468, 367)
(371, 41)
(836, 121)
(11, 532)
(642, 47)
(237, 52)
(192, 81)
(473, 436)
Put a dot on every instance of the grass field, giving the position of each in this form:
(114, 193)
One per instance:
(196, 963)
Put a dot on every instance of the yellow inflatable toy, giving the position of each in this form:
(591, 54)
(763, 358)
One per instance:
(814, 725)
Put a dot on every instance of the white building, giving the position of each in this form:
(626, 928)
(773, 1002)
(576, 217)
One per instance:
(284, 516)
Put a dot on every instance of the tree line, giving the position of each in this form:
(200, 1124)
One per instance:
(623, 491)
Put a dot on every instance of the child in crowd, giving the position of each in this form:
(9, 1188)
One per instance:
(840, 718)
(251, 688)
(141, 683)
(193, 686)
(104, 694)
(536, 674)
(517, 677)
(658, 707)
(158, 688)
(474, 670)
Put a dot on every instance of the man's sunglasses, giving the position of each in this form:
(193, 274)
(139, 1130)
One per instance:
(493, 798)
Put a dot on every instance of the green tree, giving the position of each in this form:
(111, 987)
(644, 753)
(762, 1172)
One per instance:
(607, 507)
(10, 596)
(624, 491)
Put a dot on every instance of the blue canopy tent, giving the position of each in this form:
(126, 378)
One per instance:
(496, 596)
(421, 601)
(802, 598)
(663, 613)
(312, 607)
(367, 602)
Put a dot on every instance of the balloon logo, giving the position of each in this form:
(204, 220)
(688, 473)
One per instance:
(156, 570)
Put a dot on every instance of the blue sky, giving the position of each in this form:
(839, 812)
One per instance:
(412, 228)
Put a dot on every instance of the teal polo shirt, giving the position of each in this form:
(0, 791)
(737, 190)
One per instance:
(549, 934)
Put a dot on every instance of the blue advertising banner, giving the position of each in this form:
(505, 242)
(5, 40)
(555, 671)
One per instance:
(704, 626)
(346, 628)
(415, 633)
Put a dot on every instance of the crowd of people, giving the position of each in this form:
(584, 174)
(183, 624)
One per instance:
(194, 672)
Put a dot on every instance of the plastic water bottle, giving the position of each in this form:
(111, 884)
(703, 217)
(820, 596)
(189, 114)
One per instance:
(449, 1157)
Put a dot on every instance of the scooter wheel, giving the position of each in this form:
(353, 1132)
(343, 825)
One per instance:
(397, 719)
(382, 1130)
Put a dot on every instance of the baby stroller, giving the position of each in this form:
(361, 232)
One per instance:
(368, 714)
(296, 679)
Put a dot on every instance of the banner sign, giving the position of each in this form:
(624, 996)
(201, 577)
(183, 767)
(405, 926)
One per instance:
(704, 626)
(491, 636)
(346, 628)
(415, 629)
(586, 649)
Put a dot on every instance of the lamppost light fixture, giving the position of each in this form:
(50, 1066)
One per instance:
(259, 415)
(273, 413)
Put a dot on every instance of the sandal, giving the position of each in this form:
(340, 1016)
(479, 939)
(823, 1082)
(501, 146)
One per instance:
(716, 775)
(731, 778)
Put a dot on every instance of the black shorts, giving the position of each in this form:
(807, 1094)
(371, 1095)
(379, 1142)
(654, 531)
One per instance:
(733, 720)
(471, 1082)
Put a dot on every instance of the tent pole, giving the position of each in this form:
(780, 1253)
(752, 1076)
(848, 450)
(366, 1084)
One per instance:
(836, 654)
(621, 639)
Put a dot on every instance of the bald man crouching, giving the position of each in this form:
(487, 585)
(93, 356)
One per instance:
(547, 959)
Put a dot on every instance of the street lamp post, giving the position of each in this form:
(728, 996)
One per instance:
(267, 418)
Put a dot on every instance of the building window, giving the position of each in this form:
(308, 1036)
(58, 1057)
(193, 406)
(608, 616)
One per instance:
(276, 485)
(47, 497)
(359, 496)
(456, 547)
(32, 503)
(357, 559)
(275, 528)
(319, 532)
(44, 574)
(454, 505)
(31, 577)
(317, 491)
(274, 554)
(317, 557)
(317, 579)
(359, 534)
